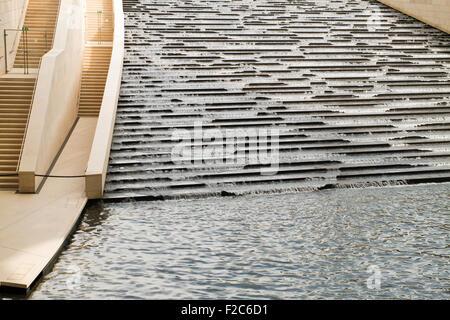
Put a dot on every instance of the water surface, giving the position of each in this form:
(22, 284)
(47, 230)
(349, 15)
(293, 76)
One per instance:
(315, 245)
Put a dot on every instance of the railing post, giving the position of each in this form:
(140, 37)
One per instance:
(25, 50)
(6, 50)
(99, 18)
(45, 39)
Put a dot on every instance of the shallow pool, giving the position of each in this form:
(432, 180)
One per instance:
(335, 244)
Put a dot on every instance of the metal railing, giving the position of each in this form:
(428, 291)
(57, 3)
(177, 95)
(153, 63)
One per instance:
(102, 22)
(34, 89)
(34, 43)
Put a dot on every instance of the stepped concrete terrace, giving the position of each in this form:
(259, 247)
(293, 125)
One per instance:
(358, 92)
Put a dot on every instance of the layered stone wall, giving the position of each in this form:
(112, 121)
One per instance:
(11, 16)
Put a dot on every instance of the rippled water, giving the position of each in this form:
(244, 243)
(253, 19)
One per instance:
(302, 245)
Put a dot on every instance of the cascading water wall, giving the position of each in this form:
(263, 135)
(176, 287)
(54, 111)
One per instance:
(236, 97)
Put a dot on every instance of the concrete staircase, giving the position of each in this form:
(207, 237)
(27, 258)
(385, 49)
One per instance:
(40, 20)
(95, 71)
(16, 89)
(97, 56)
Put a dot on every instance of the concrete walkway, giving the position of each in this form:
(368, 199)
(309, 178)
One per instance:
(34, 227)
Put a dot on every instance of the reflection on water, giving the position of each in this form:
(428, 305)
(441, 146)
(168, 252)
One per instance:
(336, 244)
